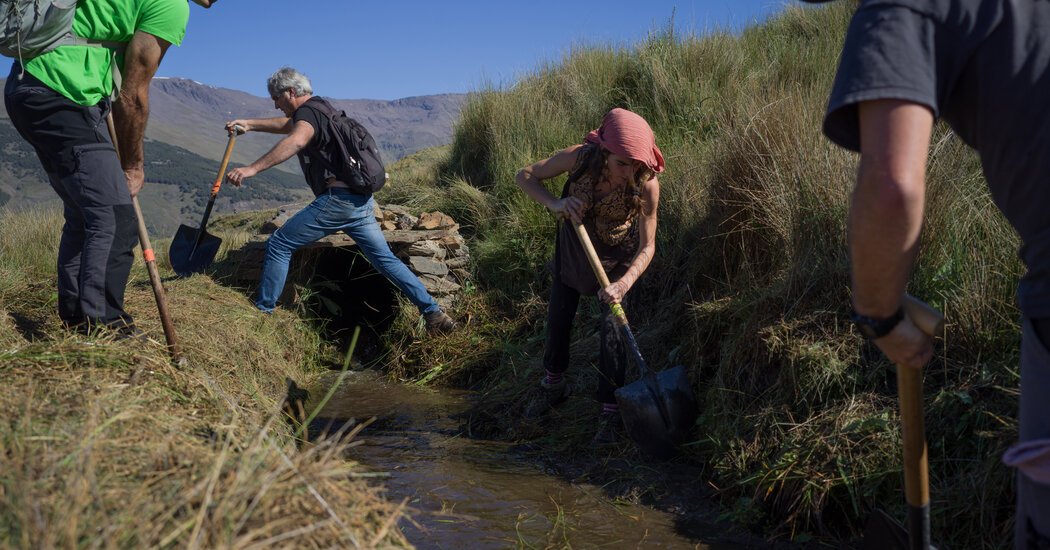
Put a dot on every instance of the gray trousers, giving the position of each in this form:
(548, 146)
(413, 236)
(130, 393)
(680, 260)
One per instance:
(100, 230)
(1032, 529)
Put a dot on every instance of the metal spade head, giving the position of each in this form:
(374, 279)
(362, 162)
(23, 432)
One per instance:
(192, 250)
(658, 411)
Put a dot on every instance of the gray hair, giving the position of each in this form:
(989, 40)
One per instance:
(287, 78)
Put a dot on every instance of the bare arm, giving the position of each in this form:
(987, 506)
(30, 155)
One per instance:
(529, 178)
(276, 125)
(130, 113)
(299, 137)
(615, 292)
(886, 217)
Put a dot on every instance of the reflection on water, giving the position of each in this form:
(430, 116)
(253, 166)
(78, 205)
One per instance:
(466, 493)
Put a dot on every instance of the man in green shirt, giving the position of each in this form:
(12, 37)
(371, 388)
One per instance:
(59, 102)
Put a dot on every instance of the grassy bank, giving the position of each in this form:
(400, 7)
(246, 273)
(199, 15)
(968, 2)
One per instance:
(749, 287)
(107, 444)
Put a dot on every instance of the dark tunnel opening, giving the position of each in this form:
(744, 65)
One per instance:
(344, 291)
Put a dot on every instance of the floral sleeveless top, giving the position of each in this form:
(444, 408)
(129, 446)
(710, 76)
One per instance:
(611, 222)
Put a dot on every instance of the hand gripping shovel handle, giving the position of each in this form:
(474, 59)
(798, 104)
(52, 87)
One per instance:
(909, 388)
(599, 272)
(151, 263)
(216, 186)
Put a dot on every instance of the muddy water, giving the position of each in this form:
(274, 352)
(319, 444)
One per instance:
(467, 493)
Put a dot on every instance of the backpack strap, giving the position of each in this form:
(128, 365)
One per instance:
(328, 110)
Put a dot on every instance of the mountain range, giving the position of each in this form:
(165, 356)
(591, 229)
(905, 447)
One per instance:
(185, 141)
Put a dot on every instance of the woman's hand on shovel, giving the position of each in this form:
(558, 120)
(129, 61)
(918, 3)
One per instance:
(569, 208)
(614, 293)
(907, 345)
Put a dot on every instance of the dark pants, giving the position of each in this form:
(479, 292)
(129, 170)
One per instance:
(1032, 530)
(100, 230)
(612, 354)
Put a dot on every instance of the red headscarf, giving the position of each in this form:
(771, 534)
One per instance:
(628, 135)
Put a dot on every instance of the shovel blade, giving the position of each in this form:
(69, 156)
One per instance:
(644, 404)
(192, 250)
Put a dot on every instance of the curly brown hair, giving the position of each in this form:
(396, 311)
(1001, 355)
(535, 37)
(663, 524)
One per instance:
(596, 164)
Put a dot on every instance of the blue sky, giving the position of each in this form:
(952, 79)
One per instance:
(399, 48)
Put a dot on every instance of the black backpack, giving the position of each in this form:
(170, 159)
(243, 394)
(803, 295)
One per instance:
(357, 162)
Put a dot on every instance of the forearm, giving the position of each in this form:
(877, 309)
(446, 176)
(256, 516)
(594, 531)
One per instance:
(638, 265)
(277, 125)
(884, 225)
(533, 187)
(129, 118)
(282, 151)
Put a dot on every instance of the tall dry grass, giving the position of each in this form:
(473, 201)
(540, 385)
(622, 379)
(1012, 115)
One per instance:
(106, 444)
(749, 287)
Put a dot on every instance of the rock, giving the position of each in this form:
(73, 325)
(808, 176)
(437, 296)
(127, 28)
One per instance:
(427, 266)
(437, 286)
(435, 220)
(397, 209)
(457, 262)
(283, 215)
(428, 249)
(387, 225)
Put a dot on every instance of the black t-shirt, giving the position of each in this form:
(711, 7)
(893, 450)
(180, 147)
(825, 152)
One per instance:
(322, 144)
(982, 65)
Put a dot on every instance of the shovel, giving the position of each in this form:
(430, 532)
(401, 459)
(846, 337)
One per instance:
(882, 531)
(192, 250)
(658, 409)
(151, 264)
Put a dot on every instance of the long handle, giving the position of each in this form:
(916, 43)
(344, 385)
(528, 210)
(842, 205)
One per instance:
(215, 187)
(151, 262)
(596, 265)
(916, 465)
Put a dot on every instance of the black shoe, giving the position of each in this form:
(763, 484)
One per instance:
(548, 397)
(130, 332)
(610, 429)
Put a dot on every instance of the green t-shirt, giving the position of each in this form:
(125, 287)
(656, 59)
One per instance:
(84, 73)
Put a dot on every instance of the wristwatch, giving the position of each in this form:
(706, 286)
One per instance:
(876, 327)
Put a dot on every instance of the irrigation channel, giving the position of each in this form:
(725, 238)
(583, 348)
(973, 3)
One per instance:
(467, 493)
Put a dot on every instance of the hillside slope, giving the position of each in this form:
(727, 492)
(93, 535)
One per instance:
(749, 287)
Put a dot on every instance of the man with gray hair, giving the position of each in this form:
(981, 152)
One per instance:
(336, 208)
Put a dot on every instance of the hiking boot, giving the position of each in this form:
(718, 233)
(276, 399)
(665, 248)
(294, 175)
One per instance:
(610, 429)
(132, 333)
(438, 322)
(548, 397)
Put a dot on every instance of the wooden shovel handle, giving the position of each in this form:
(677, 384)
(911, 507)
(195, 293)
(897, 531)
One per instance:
(225, 160)
(916, 462)
(928, 320)
(599, 271)
(151, 262)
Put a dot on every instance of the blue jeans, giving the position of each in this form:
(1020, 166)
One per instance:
(337, 209)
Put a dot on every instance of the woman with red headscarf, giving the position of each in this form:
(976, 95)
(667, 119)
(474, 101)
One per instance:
(613, 191)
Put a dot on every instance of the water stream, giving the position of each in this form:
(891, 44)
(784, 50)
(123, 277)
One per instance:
(466, 493)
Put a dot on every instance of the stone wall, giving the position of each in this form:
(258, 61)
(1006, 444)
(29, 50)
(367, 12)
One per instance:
(430, 244)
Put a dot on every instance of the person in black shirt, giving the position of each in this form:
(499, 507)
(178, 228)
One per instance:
(984, 67)
(336, 207)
